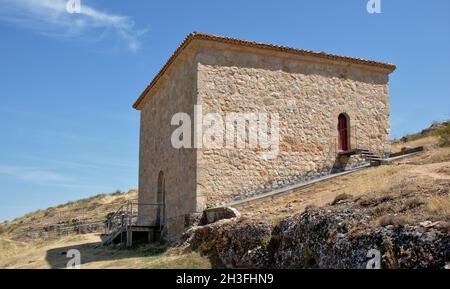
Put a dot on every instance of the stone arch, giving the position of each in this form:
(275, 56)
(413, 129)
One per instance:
(343, 128)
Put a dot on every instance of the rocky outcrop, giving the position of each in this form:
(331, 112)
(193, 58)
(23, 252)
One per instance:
(230, 242)
(213, 215)
(318, 238)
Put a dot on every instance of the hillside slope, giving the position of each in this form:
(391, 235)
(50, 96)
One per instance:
(92, 210)
(402, 210)
(406, 203)
(32, 241)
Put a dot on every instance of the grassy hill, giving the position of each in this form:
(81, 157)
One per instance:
(23, 244)
(416, 188)
(90, 210)
(411, 190)
(401, 209)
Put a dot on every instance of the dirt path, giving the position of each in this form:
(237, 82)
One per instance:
(53, 254)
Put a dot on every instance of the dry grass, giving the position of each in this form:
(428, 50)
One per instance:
(426, 142)
(341, 197)
(439, 156)
(406, 192)
(373, 183)
(90, 209)
(439, 205)
(10, 248)
(52, 255)
(394, 220)
(411, 190)
(437, 134)
(429, 156)
(443, 133)
(191, 260)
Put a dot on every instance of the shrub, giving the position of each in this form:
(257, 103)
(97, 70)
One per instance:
(445, 226)
(309, 208)
(443, 133)
(341, 197)
(274, 244)
(49, 212)
(394, 220)
(411, 204)
(117, 192)
(265, 240)
(381, 209)
(367, 201)
(439, 205)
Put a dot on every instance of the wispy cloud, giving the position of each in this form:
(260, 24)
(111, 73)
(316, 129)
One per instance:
(96, 162)
(50, 17)
(47, 178)
(34, 174)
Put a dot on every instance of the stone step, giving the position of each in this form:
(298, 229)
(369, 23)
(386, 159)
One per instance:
(363, 150)
(376, 159)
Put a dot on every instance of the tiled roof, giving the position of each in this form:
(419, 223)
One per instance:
(229, 40)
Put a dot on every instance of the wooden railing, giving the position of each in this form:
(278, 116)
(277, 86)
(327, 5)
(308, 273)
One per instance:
(358, 139)
(127, 215)
(352, 139)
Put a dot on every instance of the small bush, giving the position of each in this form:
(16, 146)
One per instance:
(394, 220)
(341, 197)
(49, 212)
(381, 209)
(439, 206)
(411, 204)
(443, 133)
(2, 229)
(367, 201)
(445, 227)
(309, 208)
(265, 240)
(274, 244)
(117, 192)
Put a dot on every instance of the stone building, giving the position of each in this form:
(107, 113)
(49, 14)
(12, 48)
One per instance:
(327, 107)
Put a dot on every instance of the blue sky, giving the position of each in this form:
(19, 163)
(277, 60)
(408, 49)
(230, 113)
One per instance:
(67, 81)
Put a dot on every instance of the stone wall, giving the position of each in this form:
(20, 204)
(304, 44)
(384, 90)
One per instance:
(307, 93)
(176, 92)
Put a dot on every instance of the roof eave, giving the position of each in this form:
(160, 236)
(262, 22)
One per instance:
(195, 35)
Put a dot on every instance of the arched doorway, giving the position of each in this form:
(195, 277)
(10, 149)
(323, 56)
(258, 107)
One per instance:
(161, 200)
(343, 132)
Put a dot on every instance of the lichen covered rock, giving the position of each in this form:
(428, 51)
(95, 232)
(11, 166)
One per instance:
(320, 238)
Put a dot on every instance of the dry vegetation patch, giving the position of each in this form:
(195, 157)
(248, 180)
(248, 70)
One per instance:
(409, 191)
(92, 209)
(415, 190)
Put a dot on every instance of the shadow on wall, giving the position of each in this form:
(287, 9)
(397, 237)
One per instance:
(245, 58)
(341, 162)
(95, 252)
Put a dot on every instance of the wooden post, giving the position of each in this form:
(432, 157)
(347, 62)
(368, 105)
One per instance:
(129, 236)
(131, 213)
(151, 236)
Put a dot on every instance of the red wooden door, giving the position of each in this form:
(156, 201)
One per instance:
(343, 132)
